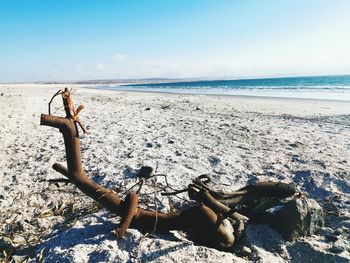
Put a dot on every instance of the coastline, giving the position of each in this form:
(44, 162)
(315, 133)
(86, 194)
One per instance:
(298, 106)
(237, 140)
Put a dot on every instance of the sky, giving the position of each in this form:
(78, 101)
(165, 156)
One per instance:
(53, 40)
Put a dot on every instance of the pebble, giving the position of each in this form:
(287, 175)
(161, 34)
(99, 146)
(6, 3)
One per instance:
(145, 172)
(149, 145)
(178, 153)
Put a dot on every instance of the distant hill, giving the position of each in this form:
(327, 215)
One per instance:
(117, 81)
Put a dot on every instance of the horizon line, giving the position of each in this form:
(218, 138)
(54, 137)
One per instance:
(176, 79)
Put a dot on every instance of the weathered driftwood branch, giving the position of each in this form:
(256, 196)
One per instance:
(218, 207)
(201, 221)
(243, 196)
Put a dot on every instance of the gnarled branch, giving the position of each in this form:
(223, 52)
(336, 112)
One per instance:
(201, 220)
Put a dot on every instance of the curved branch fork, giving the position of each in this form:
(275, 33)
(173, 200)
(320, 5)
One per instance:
(204, 224)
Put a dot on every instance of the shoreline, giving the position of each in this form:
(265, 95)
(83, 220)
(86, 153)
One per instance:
(216, 94)
(262, 104)
(95, 87)
(223, 95)
(323, 106)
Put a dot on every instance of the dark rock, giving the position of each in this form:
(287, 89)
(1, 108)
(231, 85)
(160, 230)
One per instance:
(165, 107)
(171, 142)
(129, 155)
(295, 144)
(149, 145)
(147, 108)
(178, 153)
(145, 172)
(214, 161)
(298, 217)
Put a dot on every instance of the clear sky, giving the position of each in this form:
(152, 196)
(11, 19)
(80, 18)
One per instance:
(95, 39)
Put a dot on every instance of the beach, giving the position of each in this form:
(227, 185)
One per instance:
(236, 140)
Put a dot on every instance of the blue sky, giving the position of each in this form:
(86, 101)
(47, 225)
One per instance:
(86, 39)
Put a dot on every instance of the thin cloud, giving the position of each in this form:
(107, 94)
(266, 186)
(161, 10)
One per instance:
(100, 66)
(120, 57)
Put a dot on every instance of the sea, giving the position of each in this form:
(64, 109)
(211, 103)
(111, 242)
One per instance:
(315, 87)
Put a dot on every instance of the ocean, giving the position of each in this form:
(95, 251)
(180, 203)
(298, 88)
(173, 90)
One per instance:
(318, 87)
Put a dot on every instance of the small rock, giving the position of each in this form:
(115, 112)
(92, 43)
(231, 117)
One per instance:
(2, 94)
(299, 217)
(171, 142)
(293, 145)
(214, 161)
(145, 172)
(164, 107)
(147, 108)
(149, 145)
(178, 153)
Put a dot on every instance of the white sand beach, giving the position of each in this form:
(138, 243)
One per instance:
(236, 140)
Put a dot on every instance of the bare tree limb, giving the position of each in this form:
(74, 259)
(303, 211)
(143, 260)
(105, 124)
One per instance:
(200, 220)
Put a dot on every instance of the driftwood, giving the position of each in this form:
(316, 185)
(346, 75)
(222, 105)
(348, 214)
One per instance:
(200, 220)
(204, 221)
(247, 203)
(244, 199)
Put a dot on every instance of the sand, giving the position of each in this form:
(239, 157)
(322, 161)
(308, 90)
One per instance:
(236, 140)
